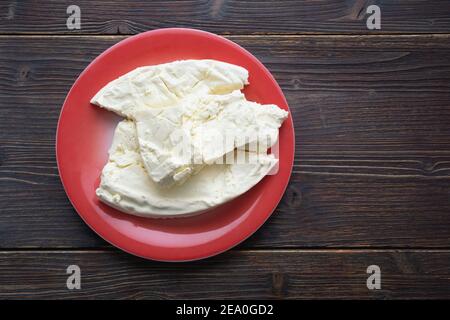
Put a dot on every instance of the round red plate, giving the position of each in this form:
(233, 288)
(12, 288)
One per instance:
(85, 132)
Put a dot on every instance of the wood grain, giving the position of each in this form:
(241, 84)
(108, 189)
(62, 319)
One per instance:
(371, 116)
(225, 16)
(282, 274)
(371, 179)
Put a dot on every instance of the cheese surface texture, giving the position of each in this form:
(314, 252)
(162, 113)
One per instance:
(126, 186)
(176, 141)
(167, 84)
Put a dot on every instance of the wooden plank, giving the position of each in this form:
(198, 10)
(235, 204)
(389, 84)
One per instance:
(372, 121)
(225, 16)
(284, 274)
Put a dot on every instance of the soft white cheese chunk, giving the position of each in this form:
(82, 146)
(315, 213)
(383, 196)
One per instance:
(161, 137)
(126, 186)
(176, 142)
(166, 84)
(220, 123)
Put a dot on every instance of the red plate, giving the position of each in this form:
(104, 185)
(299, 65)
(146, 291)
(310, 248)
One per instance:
(84, 135)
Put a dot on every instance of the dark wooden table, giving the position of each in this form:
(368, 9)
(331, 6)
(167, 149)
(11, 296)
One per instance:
(371, 179)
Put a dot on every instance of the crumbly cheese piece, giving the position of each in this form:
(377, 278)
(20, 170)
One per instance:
(220, 123)
(126, 186)
(176, 142)
(167, 84)
(162, 141)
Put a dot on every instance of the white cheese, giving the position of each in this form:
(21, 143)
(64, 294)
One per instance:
(166, 84)
(126, 186)
(176, 142)
(197, 103)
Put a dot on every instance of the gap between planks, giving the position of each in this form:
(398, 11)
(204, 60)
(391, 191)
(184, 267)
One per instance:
(272, 35)
(253, 250)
